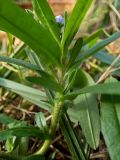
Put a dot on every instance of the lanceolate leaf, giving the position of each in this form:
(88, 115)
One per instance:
(107, 58)
(72, 139)
(22, 132)
(75, 50)
(85, 110)
(108, 88)
(44, 78)
(46, 16)
(74, 21)
(92, 37)
(32, 95)
(45, 82)
(110, 121)
(97, 47)
(41, 121)
(29, 31)
(19, 62)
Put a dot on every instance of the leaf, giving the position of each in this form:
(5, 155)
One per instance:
(4, 119)
(110, 121)
(26, 28)
(46, 16)
(107, 58)
(32, 95)
(85, 110)
(18, 53)
(75, 50)
(32, 67)
(45, 82)
(97, 47)
(72, 139)
(22, 132)
(19, 62)
(92, 36)
(74, 21)
(40, 121)
(108, 88)
(34, 59)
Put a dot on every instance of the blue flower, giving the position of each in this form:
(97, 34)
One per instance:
(59, 19)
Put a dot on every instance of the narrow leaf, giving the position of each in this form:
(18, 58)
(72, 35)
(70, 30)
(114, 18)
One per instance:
(100, 45)
(19, 62)
(22, 132)
(75, 50)
(107, 58)
(45, 82)
(72, 139)
(93, 36)
(40, 121)
(46, 16)
(26, 28)
(32, 95)
(108, 88)
(74, 21)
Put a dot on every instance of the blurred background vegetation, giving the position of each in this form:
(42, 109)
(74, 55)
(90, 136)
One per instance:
(103, 14)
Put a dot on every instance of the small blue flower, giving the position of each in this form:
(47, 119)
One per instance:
(59, 19)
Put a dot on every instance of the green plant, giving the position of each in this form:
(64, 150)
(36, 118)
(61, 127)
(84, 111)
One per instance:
(70, 92)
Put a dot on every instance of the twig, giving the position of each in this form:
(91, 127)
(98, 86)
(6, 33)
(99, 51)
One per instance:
(114, 9)
(108, 71)
(98, 155)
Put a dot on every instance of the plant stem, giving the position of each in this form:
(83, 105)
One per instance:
(52, 129)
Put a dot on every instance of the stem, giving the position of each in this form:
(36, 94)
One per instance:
(52, 129)
(55, 116)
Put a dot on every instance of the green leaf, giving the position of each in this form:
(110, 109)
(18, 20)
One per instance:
(4, 119)
(75, 50)
(107, 58)
(34, 59)
(72, 139)
(26, 28)
(22, 132)
(46, 16)
(93, 36)
(19, 62)
(74, 21)
(109, 88)
(100, 45)
(40, 121)
(85, 110)
(32, 67)
(110, 121)
(45, 82)
(32, 95)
